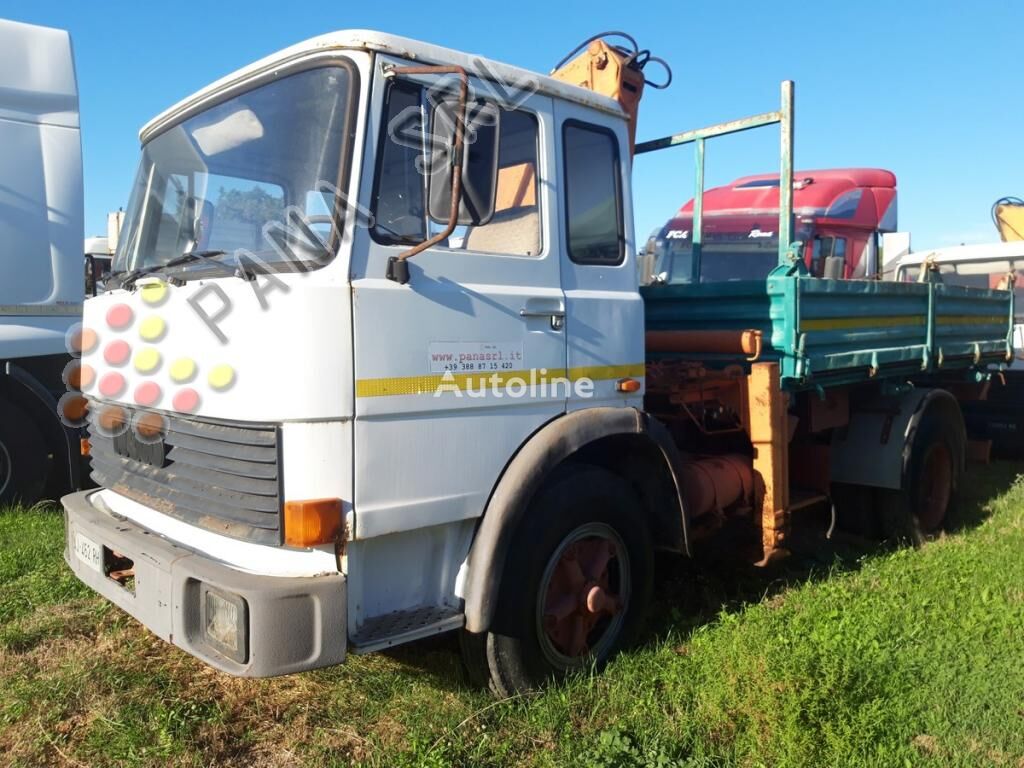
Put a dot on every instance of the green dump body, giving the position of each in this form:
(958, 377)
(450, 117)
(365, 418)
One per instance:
(826, 333)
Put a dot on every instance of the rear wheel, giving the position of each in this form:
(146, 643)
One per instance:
(23, 457)
(575, 588)
(920, 510)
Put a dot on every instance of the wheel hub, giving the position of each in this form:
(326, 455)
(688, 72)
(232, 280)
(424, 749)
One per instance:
(584, 595)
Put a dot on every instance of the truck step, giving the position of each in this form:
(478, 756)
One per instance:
(402, 626)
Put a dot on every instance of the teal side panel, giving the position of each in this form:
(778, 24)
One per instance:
(857, 329)
(971, 324)
(736, 306)
(832, 332)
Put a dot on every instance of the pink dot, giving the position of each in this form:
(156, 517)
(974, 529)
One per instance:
(112, 384)
(147, 393)
(117, 352)
(120, 316)
(185, 400)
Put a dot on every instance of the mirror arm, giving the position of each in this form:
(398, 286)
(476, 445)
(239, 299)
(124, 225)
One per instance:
(398, 268)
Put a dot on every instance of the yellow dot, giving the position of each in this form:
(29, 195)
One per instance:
(183, 370)
(153, 328)
(147, 360)
(154, 293)
(221, 377)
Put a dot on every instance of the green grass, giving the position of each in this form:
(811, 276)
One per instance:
(886, 658)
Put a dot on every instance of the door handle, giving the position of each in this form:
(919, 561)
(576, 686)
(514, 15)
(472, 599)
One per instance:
(557, 316)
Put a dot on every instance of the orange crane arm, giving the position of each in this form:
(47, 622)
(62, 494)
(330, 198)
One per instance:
(1008, 216)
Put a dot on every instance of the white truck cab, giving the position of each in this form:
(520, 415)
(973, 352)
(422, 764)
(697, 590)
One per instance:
(40, 259)
(295, 444)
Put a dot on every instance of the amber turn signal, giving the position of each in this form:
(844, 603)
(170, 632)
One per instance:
(311, 521)
(627, 385)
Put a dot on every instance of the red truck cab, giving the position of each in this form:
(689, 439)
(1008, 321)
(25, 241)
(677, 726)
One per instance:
(839, 217)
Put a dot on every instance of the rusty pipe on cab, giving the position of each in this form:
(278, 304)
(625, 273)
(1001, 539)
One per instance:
(715, 483)
(747, 342)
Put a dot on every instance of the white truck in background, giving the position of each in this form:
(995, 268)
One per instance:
(998, 417)
(41, 235)
(99, 254)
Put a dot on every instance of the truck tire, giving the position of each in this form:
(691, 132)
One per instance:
(918, 512)
(575, 586)
(23, 457)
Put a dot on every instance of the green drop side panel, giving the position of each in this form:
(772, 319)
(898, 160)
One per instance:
(834, 332)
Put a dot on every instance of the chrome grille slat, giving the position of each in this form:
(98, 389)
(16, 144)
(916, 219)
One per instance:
(223, 477)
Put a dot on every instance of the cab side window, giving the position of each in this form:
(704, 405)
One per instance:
(515, 226)
(826, 248)
(400, 188)
(593, 195)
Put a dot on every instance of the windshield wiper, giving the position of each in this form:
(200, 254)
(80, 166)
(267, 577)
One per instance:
(129, 279)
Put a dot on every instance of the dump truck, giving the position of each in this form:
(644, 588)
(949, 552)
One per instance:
(41, 287)
(374, 365)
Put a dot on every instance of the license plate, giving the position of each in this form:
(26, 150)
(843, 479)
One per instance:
(89, 552)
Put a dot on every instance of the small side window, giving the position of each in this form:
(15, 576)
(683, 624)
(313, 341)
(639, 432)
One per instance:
(399, 202)
(593, 195)
(515, 227)
(398, 205)
(840, 249)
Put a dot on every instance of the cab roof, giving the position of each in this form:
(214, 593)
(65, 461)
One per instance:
(814, 191)
(382, 42)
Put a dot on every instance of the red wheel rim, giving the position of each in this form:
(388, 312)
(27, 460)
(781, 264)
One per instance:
(584, 593)
(935, 487)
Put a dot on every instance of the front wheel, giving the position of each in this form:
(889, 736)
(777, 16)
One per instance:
(575, 587)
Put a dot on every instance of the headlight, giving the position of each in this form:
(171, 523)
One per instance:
(225, 623)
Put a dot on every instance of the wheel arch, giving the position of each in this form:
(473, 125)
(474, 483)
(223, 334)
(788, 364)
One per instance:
(625, 441)
(876, 448)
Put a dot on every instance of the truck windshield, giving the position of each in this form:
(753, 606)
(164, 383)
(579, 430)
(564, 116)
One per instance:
(749, 254)
(255, 177)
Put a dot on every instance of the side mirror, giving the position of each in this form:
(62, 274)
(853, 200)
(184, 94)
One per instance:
(479, 166)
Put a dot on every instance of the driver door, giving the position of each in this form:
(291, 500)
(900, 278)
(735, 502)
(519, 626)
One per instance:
(457, 368)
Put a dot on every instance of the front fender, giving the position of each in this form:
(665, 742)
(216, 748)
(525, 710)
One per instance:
(545, 450)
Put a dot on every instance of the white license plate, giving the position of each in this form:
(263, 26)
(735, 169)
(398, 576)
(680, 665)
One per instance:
(89, 552)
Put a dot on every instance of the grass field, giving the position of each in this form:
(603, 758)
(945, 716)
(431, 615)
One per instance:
(886, 658)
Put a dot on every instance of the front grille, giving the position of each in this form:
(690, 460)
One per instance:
(217, 475)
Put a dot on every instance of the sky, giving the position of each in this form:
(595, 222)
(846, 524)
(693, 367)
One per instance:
(928, 90)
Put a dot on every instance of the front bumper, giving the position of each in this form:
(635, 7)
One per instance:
(290, 624)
